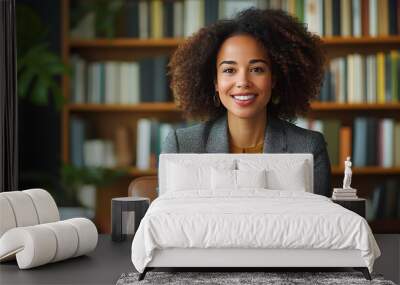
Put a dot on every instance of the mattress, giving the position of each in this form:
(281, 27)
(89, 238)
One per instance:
(250, 219)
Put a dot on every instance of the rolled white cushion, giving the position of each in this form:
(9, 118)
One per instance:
(41, 244)
(23, 208)
(66, 238)
(33, 246)
(45, 205)
(7, 218)
(87, 235)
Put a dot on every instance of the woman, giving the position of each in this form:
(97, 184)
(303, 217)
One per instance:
(247, 78)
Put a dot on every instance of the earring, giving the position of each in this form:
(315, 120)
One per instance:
(275, 100)
(217, 101)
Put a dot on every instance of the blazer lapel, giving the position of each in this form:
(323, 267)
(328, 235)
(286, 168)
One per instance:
(217, 141)
(275, 140)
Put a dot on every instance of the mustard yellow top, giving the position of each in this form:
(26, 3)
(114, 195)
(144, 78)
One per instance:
(255, 149)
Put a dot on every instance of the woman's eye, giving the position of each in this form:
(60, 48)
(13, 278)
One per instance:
(228, 70)
(257, 69)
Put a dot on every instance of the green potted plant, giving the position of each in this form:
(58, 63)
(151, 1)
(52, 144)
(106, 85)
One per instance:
(80, 183)
(37, 65)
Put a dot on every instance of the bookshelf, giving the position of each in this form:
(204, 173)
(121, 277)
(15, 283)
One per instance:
(106, 116)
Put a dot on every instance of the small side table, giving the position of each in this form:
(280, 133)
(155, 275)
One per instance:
(355, 205)
(126, 214)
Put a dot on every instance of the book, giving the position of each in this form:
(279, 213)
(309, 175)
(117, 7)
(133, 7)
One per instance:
(386, 150)
(193, 16)
(143, 144)
(144, 19)
(146, 79)
(351, 79)
(393, 17)
(132, 18)
(344, 191)
(160, 84)
(300, 10)
(124, 83)
(312, 15)
(373, 18)
(337, 196)
(178, 19)
(345, 18)
(156, 18)
(371, 79)
(397, 144)
(394, 78)
(356, 17)
(211, 11)
(168, 19)
(372, 141)
(380, 69)
(365, 18)
(344, 144)
(229, 8)
(78, 80)
(134, 81)
(336, 23)
(76, 140)
(388, 78)
(331, 133)
(383, 23)
(359, 146)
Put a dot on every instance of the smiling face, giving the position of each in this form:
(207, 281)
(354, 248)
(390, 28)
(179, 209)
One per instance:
(244, 79)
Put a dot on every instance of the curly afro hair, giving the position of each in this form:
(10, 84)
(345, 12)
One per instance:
(296, 56)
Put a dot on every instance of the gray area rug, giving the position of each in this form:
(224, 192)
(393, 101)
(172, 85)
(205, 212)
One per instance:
(229, 278)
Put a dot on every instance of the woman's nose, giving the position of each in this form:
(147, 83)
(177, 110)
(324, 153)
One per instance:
(242, 80)
(243, 84)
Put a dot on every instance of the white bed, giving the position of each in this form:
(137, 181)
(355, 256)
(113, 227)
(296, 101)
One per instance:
(226, 210)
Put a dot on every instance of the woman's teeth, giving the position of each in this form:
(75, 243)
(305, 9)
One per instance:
(244, 97)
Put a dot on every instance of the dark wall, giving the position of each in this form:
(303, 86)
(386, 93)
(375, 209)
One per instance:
(39, 126)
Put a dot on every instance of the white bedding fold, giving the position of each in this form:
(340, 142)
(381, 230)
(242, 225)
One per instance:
(252, 218)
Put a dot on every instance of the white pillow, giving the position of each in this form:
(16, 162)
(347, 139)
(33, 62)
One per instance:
(293, 181)
(223, 179)
(290, 175)
(237, 179)
(186, 176)
(251, 178)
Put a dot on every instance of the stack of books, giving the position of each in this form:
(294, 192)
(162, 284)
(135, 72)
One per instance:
(344, 194)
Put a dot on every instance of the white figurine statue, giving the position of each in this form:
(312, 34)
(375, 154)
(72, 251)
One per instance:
(347, 174)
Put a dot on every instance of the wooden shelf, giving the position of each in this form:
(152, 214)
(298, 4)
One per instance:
(174, 42)
(135, 172)
(338, 41)
(126, 43)
(171, 107)
(330, 106)
(142, 107)
(369, 170)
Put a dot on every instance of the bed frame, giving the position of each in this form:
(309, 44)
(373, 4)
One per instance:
(243, 259)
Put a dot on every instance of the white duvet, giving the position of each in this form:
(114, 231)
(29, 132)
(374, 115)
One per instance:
(253, 218)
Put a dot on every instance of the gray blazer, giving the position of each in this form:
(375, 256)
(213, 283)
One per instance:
(280, 137)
